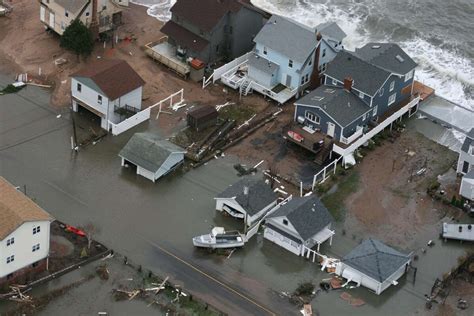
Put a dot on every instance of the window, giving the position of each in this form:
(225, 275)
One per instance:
(472, 150)
(408, 76)
(10, 241)
(323, 67)
(66, 13)
(79, 87)
(87, 13)
(302, 80)
(310, 116)
(99, 99)
(364, 116)
(104, 7)
(334, 82)
(264, 50)
(290, 63)
(392, 99)
(11, 258)
(381, 91)
(35, 247)
(310, 61)
(392, 86)
(306, 78)
(375, 110)
(324, 52)
(36, 230)
(361, 95)
(285, 222)
(465, 167)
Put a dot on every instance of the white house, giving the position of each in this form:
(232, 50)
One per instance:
(466, 155)
(303, 222)
(109, 88)
(373, 265)
(467, 185)
(24, 234)
(248, 198)
(152, 156)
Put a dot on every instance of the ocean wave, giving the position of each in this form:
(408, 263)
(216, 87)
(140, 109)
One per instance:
(159, 9)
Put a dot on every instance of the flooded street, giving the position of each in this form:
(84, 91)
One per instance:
(153, 223)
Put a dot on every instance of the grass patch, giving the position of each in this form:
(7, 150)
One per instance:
(10, 89)
(335, 201)
(239, 113)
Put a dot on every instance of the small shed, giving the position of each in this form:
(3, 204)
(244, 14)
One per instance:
(374, 265)
(152, 156)
(467, 186)
(202, 117)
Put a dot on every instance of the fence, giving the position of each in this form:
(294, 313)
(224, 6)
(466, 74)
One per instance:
(143, 115)
(233, 65)
(324, 174)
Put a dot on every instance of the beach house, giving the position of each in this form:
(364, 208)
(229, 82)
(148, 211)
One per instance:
(466, 154)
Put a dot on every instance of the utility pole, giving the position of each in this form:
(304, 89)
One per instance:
(74, 130)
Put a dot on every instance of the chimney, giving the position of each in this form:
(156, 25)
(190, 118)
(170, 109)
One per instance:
(315, 78)
(348, 83)
(94, 23)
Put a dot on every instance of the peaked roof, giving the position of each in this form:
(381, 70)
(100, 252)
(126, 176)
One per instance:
(205, 14)
(149, 151)
(308, 215)
(259, 195)
(16, 209)
(468, 141)
(72, 6)
(290, 38)
(375, 259)
(367, 77)
(388, 56)
(184, 36)
(331, 30)
(343, 106)
(114, 77)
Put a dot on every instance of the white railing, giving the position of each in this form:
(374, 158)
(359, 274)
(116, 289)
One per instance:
(231, 67)
(324, 174)
(365, 137)
(359, 131)
(281, 96)
(143, 115)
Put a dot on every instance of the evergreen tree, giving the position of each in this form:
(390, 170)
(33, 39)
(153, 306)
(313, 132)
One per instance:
(78, 38)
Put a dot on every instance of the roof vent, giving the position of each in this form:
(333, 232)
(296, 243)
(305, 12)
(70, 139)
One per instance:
(400, 58)
(348, 104)
(375, 46)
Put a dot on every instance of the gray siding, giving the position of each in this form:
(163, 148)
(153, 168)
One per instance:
(245, 25)
(323, 119)
(381, 101)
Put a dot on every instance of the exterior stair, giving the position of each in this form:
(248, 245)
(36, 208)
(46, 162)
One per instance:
(245, 87)
(324, 153)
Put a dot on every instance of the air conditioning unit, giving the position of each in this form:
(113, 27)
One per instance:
(300, 119)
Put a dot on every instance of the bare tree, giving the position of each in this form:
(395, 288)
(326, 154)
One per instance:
(91, 231)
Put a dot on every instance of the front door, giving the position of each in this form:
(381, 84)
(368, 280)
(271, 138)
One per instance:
(331, 129)
(288, 81)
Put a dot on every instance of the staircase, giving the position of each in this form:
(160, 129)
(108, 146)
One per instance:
(324, 153)
(245, 87)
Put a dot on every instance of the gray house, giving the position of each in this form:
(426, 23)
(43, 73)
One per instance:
(466, 155)
(248, 198)
(331, 43)
(361, 90)
(303, 222)
(374, 265)
(152, 156)
(213, 30)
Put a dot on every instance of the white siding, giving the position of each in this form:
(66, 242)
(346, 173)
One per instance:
(42, 13)
(467, 188)
(463, 156)
(220, 202)
(282, 241)
(90, 97)
(145, 173)
(133, 99)
(22, 248)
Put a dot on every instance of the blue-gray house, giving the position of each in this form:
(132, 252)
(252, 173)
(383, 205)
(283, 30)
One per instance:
(361, 90)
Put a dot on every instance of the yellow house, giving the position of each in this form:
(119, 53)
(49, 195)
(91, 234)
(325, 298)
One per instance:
(56, 15)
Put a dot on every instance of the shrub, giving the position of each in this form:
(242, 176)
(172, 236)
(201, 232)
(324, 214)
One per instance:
(306, 288)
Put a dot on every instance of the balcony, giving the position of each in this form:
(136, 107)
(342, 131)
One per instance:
(358, 133)
(165, 53)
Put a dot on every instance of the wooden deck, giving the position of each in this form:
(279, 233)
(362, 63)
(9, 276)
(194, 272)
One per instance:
(310, 141)
(422, 90)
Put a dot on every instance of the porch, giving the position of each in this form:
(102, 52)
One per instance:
(165, 53)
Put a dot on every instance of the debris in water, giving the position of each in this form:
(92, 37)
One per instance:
(242, 171)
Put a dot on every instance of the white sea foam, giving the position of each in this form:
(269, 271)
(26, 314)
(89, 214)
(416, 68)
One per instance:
(159, 9)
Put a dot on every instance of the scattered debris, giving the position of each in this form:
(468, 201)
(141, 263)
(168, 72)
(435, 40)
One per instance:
(60, 61)
(462, 304)
(242, 171)
(307, 310)
(220, 106)
(102, 272)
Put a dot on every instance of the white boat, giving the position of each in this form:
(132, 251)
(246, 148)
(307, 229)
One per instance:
(219, 239)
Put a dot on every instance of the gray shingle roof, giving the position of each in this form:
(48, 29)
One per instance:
(148, 151)
(331, 30)
(72, 6)
(468, 141)
(367, 78)
(470, 174)
(262, 64)
(308, 215)
(290, 38)
(259, 196)
(375, 259)
(343, 106)
(388, 56)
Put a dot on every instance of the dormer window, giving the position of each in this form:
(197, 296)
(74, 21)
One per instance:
(285, 222)
(409, 75)
(290, 63)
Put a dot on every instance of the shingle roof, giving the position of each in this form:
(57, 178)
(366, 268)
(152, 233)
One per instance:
(259, 195)
(72, 6)
(375, 259)
(367, 77)
(468, 141)
(290, 38)
(114, 77)
(343, 106)
(308, 215)
(262, 64)
(148, 151)
(470, 174)
(205, 14)
(16, 209)
(203, 112)
(331, 30)
(184, 37)
(388, 56)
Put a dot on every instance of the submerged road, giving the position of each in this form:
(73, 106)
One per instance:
(146, 222)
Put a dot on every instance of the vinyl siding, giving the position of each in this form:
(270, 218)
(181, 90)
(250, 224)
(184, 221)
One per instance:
(245, 24)
(382, 101)
(324, 119)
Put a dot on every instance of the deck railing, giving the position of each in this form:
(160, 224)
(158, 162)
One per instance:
(163, 59)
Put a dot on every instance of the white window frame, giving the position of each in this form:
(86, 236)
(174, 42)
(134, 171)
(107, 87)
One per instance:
(361, 95)
(35, 248)
(306, 78)
(290, 63)
(10, 259)
(36, 230)
(392, 86)
(99, 99)
(324, 52)
(79, 88)
(10, 241)
(316, 119)
(334, 82)
(265, 52)
(364, 116)
(375, 110)
(409, 75)
(392, 99)
(381, 91)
